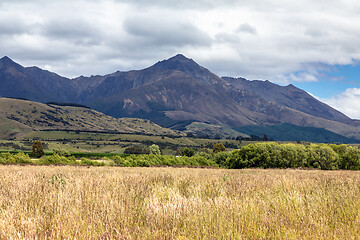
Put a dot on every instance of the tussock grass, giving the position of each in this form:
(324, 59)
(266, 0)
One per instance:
(48, 202)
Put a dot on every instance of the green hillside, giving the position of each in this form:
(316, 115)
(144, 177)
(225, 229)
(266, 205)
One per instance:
(290, 132)
(19, 117)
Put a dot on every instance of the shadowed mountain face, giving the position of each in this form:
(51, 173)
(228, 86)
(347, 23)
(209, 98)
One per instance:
(33, 83)
(289, 96)
(177, 90)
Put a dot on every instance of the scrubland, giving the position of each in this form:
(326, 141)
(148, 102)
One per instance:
(72, 202)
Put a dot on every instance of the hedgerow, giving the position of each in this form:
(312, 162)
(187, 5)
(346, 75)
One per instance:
(255, 155)
(274, 155)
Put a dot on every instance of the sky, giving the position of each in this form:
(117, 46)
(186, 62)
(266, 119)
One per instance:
(311, 44)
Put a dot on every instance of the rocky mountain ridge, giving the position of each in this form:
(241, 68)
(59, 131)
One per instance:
(178, 90)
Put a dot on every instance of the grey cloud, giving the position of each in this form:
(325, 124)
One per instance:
(227, 38)
(247, 28)
(77, 30)
(11, 24)
(312, 32)
(166, 32)
(276, 38)
(180, 4)
(7, 28)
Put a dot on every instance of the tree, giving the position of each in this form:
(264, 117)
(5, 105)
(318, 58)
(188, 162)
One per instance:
(37, 149)
(218, 147)
(265, 137)
(238, 138)
(155, 149)
(136, 150)
(188, 152)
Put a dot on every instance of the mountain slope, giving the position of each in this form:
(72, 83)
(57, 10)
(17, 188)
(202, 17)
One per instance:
(179, 97)
(32, 83)
(22, 116)
(289, 96)
(289, 132)
(178, 91)
(185, 95)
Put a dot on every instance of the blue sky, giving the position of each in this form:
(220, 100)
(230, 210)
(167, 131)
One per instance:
(311, 44)
(333, 81)
(339, 87)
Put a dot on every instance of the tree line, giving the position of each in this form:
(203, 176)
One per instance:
(289, 155)
(255, 155)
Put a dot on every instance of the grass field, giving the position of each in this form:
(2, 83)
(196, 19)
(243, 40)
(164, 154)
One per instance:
(47, 202)
(109, 143)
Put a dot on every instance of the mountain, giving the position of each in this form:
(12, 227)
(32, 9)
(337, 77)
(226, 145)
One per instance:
(289, 96)
(289, 132)
(176, 92)
(33, 83)
(19, 117)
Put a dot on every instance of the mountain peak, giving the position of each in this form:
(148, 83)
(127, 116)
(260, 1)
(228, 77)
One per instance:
(6, 62)
(179, 57)
(178, 62)
(188, 66)
(6, 59)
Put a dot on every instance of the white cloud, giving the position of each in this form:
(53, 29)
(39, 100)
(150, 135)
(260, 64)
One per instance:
(347, 102)
(275, 40)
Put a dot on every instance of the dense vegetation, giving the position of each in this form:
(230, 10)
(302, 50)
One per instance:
(255, 155)
(273, 155)
(290, 132)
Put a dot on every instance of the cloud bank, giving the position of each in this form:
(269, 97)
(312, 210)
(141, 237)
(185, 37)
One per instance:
(347, 102)
(275, 40)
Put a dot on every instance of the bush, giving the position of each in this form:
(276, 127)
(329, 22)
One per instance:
(61, 152)
(238, 159)
(22, 158)
(6, 158)
(56, 159)
(322, 156)
(136, 150)
(268, 155)
(222, 159)
(155, 149)
(86, 161)
(187, 152)
(349, 157)
(262, 155)
(292, 156)
(218, 147)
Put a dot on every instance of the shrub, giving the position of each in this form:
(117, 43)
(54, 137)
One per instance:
(136, 150)
(218, 147)
(222, 159)
(61, 152)
(188, 152)
(268, 155)
(7, 158)
(22, 158)
(86, 161)
(155, 149)
(56, 159)
(322, 156)
(349, 158)
(292, 156)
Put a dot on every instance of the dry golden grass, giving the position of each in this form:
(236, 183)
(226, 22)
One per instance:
(50, 202)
